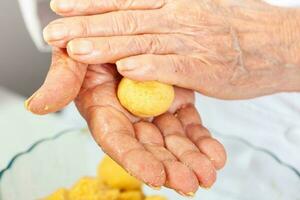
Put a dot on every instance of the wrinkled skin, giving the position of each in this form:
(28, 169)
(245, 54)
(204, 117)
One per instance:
(173, 149)
(228, 49)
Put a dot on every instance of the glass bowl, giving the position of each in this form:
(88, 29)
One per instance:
(251, 173)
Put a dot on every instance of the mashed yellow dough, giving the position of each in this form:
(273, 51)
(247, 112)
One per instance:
(115, 176)
(89, 188)
(155, 198)
(131, 195)
(60, 194)
(112, 183)
(145, 99)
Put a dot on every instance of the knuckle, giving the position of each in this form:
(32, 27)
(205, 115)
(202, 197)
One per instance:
(136, 44)
(180, 65)
(123, 4)
(129, 20)
(85, 28)
(115, 25)
(124, 22)
(154, 44)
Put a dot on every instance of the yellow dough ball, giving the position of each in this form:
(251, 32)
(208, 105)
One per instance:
(61, 194)
(89, 188)
(115, 176)
(145, 99)
(131, 195)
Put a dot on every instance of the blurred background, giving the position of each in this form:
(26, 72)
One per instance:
(22, 66)
(24, 62)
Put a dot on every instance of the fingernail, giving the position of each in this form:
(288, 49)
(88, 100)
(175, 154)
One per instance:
(55, 32)
(27, 102)
(204, 187)
(81, 47)
(62, 5)
(154, 187)
(125, 65)
(189, 194)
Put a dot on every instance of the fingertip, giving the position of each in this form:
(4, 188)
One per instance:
(131, 72)
(203, 168)
(146, 167)
(181, 178)
(54, 32)
(53, 5)
(45, 34)
(214, 150)
(61, 6)
(125, 65)
(27, 103)
(36, 104)
(80, 47)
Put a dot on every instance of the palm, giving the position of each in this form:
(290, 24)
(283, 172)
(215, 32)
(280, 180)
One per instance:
(174, 150)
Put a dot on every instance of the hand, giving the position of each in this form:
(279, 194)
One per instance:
(174, 150)
(225, 49)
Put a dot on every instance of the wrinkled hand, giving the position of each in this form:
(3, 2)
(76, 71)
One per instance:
(174, 150)
(229, 49)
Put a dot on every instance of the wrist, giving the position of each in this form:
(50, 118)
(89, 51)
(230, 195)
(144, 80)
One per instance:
(270, 42)
(289, 32)
(289, 36)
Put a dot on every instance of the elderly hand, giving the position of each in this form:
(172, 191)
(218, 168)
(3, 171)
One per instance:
(229, 49)
(174, 150)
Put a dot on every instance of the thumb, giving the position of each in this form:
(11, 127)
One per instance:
(61, 86)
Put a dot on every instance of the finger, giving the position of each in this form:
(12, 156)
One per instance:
(188, 115)
(147, 133)
(182, 71)
(110, 49)
(114, 133)
(61, 86)
(214, 150)
(183, 97)
(168, 124)
(200, 136)
(187, 152)
(111, 125)
(90, 7)
(179, 177)
(60, 31)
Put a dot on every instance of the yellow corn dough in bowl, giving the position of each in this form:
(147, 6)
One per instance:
(115, 176)
(89, 188)
(60, 194)
(112, 183)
